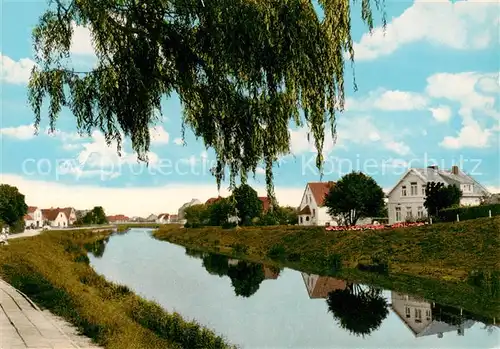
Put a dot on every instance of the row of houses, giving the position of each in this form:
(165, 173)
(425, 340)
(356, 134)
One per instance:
(37, 217)
(404, 201)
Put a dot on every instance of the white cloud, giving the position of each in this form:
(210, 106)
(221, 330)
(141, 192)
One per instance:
(82, 41)
(159, 135)
(130, 201)
(464, 25)
(398, 147)
(470, 136)
(260, 171)
(441, 113)
(178, 141)
(15, 72)
(23, 132)
(390, 100)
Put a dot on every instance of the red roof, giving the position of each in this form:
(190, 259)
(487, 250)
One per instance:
(213, 200)
(50, 214)
(32, 209)
(266, 203)
(118, 217)
(28, 217)
(319, 191)
(325, 285)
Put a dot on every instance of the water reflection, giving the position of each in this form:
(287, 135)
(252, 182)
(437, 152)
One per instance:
(246, 277)
(312, 311)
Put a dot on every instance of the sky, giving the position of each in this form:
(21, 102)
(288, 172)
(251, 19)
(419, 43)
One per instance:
(428, 93)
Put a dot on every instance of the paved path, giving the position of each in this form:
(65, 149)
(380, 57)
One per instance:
(35, 232)
(24, 325)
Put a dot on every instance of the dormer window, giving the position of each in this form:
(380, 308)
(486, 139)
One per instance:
(403, 190)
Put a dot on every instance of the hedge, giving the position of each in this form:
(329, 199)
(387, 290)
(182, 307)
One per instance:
(470, 212)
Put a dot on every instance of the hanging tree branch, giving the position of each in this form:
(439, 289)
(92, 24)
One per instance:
(243, 69)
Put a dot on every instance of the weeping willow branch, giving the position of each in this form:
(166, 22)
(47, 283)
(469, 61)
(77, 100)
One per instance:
(244, 71)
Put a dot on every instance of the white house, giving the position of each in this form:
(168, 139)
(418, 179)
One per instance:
(406, 198)
(417, 315)
(34, 217)
(163, 218)
(56, 217)
(312, 210)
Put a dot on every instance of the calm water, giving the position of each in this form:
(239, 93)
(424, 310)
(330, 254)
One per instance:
(256, 306)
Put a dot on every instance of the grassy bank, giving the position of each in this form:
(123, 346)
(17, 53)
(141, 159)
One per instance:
(53, 270)
(457, 262)
(123, 227)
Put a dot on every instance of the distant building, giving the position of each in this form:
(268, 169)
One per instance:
(312, 209)
(417, 315)
(58, 217)
(174, 218)
(406, 198)
(34, 217)
(119, 218)
(152, 218)
(163, 218)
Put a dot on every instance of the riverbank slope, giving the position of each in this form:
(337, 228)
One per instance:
(459, 262)
(53, 270)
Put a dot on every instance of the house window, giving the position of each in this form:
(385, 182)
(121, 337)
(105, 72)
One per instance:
(414, 189)
(408, 312)
(420, 212)
(418, 315)
(403, 190)
(423, 189)
(398, 214)
(428, 315)
(307, 218)
(408, 212)
(466, 188)
(314, 212)
(301, 220)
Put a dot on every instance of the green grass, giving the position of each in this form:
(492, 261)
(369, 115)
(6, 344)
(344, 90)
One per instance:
(436, 262)
(123, 227)
(53, 270)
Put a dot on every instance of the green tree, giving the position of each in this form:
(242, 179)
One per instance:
(216, 264)
(220, 211)
(248, 204)
(197, 215)
(355, 196)
(12, 207)
(287, 215)
(94, 216)
(243, 70)
(357, 310)
(439, 196)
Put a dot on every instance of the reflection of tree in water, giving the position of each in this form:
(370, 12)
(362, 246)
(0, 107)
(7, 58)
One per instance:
(97, 248)
(246, 278)
(194, 253)
(216, 264)
(357, 310)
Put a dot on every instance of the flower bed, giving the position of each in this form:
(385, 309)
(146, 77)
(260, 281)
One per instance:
(376, 226)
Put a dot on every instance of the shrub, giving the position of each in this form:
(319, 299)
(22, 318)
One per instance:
(276, 252)
(239, 248)
(470, 212)
(335, 262)
(228, 225)
(293, 257)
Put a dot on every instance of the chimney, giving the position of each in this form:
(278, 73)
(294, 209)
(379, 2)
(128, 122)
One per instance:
(454, 170)
(433, 167)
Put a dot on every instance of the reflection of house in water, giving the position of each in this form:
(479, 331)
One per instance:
(319, 286)
(422, 318)
(269, 273)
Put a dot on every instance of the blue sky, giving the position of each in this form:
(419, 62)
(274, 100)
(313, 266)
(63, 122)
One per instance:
(428, 90)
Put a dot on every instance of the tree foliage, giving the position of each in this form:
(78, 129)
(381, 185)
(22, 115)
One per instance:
(12, 205)
(197, 215)
(355, 196)
(94, 216)
(439, 196)
(247, 203)
(220, 211)
(242, 69)
(357, 310)
(246, 277)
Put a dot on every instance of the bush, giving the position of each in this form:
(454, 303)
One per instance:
(240, 248)
(277, 252)
(471, 212)
(293, 257)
